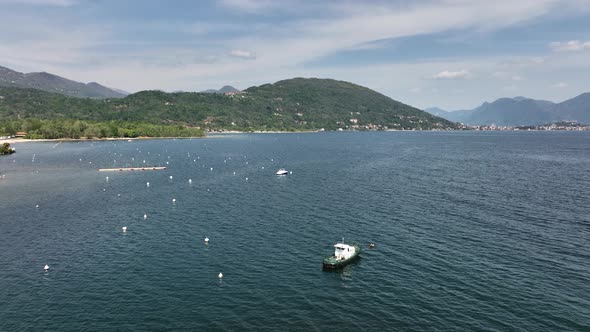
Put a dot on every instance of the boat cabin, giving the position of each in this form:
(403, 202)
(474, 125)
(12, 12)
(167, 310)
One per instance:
(343, 251)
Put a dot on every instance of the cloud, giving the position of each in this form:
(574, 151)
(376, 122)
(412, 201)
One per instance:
(517, 78)
(560, 85)
(570, 46)
(285, 37)
(250, 6)
(242, 54)
(452, 75)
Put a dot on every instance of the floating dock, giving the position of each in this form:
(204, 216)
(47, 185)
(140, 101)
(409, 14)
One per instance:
(122, 169)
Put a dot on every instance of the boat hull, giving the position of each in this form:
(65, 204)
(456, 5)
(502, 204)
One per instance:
(331, 262)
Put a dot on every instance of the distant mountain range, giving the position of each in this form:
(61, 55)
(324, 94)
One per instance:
(53, 83)
(224, 89)
(521, 111)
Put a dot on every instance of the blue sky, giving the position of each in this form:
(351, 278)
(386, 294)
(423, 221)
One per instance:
(454, 54)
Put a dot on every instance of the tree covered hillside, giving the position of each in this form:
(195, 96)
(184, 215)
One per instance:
(294, 104)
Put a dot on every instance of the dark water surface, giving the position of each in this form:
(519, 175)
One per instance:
(474, 231)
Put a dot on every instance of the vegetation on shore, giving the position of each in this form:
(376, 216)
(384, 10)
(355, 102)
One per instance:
(6, 149)
(67, 128)
(291, 105)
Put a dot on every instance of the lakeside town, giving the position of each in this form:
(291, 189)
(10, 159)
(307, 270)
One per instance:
(563, 125)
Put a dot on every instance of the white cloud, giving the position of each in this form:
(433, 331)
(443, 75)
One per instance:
(570, 46)
(560, 85)
(517, 78)
(242, 54)
(452, 75)
(251, 6)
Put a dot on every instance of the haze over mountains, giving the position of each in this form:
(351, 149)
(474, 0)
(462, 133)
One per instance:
(53, 83)
(521, 111)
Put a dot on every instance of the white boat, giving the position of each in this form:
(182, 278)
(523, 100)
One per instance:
(282, 171)
(343, 254)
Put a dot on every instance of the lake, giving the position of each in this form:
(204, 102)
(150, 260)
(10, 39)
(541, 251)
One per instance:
(473, 231)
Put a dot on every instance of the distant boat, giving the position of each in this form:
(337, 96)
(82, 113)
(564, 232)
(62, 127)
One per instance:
(282, 171)
(343, 254)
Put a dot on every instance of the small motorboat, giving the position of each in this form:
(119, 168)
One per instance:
(343, 254)
(282, 171)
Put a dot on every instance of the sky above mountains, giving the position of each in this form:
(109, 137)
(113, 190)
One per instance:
(450, 53)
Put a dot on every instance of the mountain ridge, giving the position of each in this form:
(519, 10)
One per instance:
(53, 83)
(519, 111)
(224, 89)
(293, 104)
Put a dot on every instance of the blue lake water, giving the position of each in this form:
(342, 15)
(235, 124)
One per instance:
(473, 231)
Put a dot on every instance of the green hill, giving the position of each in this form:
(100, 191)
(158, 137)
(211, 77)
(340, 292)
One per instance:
(294, 104)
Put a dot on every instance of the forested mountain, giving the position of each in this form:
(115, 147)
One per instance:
(294, 104)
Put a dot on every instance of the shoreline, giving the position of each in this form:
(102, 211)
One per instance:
(222, 134)
(28, 140)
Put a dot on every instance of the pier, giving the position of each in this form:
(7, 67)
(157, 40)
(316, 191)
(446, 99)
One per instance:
(122, 169)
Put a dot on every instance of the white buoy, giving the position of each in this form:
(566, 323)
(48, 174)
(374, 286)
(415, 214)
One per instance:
(234, 173)
(220, 275)
(290, 172)
(46, 268)
(206, 240)
(171, 177)
(190, 181)
(246, 179)
(37, 206)
(211, 168)
(262, 167)
(173, 200)
(124, 229)
(118, 195)
(107, 178)
(144, 216)
(147, 184)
